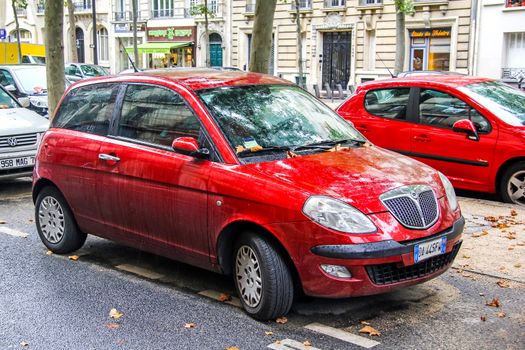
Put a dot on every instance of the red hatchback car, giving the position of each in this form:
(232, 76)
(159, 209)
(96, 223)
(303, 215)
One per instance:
(242, 174)
(472, 129)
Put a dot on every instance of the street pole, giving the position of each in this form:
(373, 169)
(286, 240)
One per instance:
(95, 53)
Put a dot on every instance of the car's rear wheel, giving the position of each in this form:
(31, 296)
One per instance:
(512, 187)
(262, 278)
(55, 222)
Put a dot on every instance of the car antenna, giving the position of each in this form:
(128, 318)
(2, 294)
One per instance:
(127, 54)
(391, 75)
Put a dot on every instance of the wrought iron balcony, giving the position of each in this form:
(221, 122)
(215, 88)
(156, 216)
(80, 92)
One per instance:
(82, 6)
(171, 13)
(21, 12)
(370, 2)
(334, 3)
(214, 8)
(127, 16)
(303, 4)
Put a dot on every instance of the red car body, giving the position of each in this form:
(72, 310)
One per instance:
(476, 165)
(193, 210)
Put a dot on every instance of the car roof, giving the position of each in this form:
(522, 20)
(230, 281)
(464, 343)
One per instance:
(449, 80)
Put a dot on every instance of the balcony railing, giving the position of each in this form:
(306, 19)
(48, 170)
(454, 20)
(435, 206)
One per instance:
(214, 7)
(21, 12)
(127, 16)
(513, 74)
(40, 8)
(82, 6)
(303, 5)
(171, 13)
(515, 3)
(334, 3)
(370, 2)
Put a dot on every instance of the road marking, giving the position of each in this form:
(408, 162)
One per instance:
(290, 344)
(11, 232)
(212, 294)
(342, 335)
(137, 270)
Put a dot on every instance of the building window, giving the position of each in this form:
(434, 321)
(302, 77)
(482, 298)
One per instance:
(162, 8)
(250, 6)
(334, 3)
(103, 44)
(430, 49)
(515, 3)
(514, 66)
(25, 36)
(82, 5)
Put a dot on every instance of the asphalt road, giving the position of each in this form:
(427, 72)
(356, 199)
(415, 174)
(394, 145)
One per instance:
(52, 302)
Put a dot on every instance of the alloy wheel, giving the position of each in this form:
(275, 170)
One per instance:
(248, 276)
(516, 187)
(51, 219)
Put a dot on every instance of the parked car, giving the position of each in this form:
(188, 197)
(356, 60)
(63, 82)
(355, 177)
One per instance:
(471, 129)
(20, 134)
(78, 71)
(27, 80)
(243, 174)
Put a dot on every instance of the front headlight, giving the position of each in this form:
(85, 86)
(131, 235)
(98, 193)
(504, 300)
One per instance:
(449, 189)
(37, 102)
(339, 216)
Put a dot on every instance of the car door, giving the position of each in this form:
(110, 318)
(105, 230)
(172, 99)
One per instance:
(148, 193)
(464, 160)
(383, 116)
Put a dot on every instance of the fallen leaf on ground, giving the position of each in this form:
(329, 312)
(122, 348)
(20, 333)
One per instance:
(480, 234)
(120, 342)
(2, 222)
(277, 342)
(465, 256)
(268, 333)
(520, 244)
(281, 320)
(513, 212)
(233, 348)
(49, 252)
(510, 248)
(365, 323)
(501, 314)
(370, 331)
(30, 220)
(190, 325)
(307, 343)
(481, 294)
(483, 318)
(493, 303)
(112, 325)
(115, 314)
(224, 297)
(24, 344)
(73, 257)
(518, 265)
(503, 284)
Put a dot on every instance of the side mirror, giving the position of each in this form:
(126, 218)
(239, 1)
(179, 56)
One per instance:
(468, 127)
(24, 101)
(189, 146)
(11, 88)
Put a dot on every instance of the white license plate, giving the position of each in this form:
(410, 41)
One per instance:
(429, 249)
(17, 162)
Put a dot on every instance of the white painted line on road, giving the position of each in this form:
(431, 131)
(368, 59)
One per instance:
(290, 344)
(137, 270)
(11, 232)
(342, 335)
(212, 294)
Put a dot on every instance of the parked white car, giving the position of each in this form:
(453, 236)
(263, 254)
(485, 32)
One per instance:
(20, 133)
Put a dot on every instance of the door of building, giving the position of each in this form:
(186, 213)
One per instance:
(215, 50)
(336, 58)
(79, 33)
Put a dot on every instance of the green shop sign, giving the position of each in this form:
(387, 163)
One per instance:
(171, 34)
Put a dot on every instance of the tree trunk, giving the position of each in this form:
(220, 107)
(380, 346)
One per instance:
(135, 47)
(73, 54)
(54, 29)
(400, 42)
(299, 43)
(17, 31)
(207, 33)
(261, 47)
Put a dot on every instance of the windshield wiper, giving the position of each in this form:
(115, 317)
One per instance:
(327, 144)
(271, 149)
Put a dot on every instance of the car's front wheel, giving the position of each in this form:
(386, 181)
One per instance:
(55, 222)
(262, 278)
(512, 187)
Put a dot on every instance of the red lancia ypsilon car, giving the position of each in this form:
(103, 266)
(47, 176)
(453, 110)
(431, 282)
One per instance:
(242, 174)
(472, 129)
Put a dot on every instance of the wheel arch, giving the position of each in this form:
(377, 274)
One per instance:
(503, 167)
(40, 184)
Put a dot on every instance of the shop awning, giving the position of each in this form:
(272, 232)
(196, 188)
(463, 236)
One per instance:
(157, 47)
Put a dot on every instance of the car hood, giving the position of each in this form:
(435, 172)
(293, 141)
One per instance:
(15, 121)
(357, 176)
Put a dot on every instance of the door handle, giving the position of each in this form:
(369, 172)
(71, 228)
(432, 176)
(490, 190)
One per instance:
(108, 157)
(421, 138)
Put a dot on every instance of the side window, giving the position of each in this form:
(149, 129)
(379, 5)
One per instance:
(88, 109)
(388, 103)
(437, 108)
(157, 115)
(6, 78)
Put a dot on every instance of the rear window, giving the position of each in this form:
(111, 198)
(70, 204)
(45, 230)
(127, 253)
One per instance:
(388, 103)
(88, 109)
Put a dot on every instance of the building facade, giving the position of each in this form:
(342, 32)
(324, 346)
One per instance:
(500, 39)
(351, 41)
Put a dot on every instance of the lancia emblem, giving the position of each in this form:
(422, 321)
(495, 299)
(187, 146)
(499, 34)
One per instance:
(12, 141)
(413, 194)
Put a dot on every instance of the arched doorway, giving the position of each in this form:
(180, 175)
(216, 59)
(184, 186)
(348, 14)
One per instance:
(79, 34)
(215, 50)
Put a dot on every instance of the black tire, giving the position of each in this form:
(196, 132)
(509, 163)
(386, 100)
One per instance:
(517, 169)
(59, 219)
(277, 290)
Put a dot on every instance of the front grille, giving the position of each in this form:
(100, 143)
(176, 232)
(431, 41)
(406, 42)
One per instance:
(17, 140)
(393, 273)
(413, 206)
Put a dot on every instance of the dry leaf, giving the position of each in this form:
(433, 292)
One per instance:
(520, 244)
(510, 248)
(115, 314)
(518, 265)
(233, 348)
(307, 343)
(49, 252)
(277, 342)
(370, 331)
(112, 325)
(256, 148)
(479, 234)
(493, 303)
(483, 318)
(190, 325)
(268, 333)
(513, 212)
(281, 320)
(2, 222)
(465, 256)
(239, 149)
(224, 297)
(24, 344)
(501, 314)
(291, 154)
(73, 257)
(365, 323)
(481, 294)
(503, 284)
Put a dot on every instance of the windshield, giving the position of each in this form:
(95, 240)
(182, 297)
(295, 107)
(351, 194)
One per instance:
(33, 79)
(260, 117)
(93, 71)
(505, 102)
(7, 101)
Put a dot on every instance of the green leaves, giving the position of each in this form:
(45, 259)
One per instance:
(404, 6)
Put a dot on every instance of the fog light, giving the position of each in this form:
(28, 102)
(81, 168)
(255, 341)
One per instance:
(336, 271)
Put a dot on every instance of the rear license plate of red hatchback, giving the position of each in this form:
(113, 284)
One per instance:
(429, 249)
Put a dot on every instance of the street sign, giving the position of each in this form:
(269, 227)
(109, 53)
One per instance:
(3, 33)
